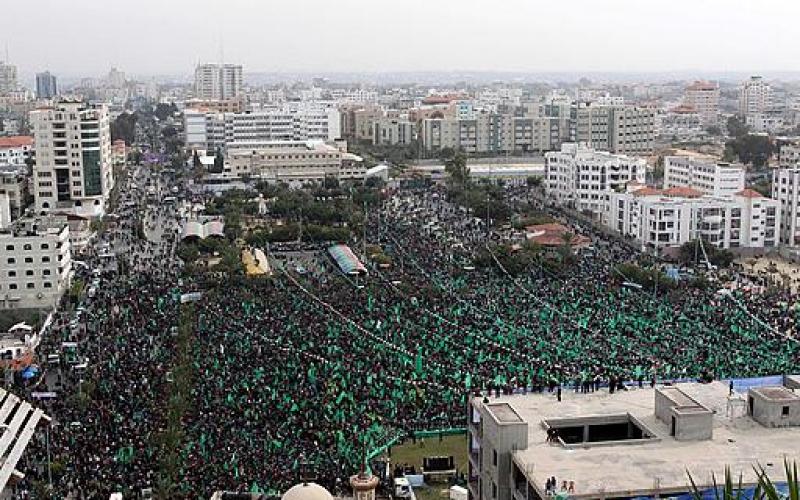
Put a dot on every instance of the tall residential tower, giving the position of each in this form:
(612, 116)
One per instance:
(72, 170)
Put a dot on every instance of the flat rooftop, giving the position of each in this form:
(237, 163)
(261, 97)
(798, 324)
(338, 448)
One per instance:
(776, 393)
(642, 467)
(504, 413)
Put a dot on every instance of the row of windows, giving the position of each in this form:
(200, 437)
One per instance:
(29, 272)
(29, 286)
(28, 246)
(29, 260)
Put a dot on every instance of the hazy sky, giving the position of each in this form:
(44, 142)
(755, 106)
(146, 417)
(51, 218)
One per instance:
(86, 37)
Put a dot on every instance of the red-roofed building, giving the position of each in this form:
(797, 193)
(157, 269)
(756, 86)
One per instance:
(554, 235)
(15, 149)
(666, 219)
(682, 192)
(750, 193)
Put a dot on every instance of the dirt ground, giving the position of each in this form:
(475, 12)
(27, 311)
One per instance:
(775, 268)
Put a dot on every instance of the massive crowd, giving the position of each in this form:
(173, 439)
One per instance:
(317, 369)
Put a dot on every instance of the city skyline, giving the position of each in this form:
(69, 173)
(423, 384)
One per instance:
(473, 35)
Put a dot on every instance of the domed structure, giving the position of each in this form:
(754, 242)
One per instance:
(307, 491)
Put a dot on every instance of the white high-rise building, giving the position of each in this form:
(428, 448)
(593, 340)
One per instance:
(704, 98)
(72, 170)
(217, 81)
(35, 263)
(716, 179)
(660, 219)
(582, 178)
(786, 190)
(755, 96)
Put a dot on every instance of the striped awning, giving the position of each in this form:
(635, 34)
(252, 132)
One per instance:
(346, 260)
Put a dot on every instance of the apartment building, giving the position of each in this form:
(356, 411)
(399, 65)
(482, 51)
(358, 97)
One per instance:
(618, 129)
(582, 178)
(703, 98)
(217, 81)
(755, 96)
(211, 131)
(715, 179)
(668, 218)
(35, 263)
(287, 161)
(786, 190)
(72, 170)
(489, 133)
(394, 131)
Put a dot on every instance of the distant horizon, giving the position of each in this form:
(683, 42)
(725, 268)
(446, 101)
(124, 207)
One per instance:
(448, 76)
(152, 37)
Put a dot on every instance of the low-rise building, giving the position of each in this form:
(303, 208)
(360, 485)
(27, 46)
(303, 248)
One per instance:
(640, 443)
(292, 161)
(35, 263)
(716, 179)
(662, 219)
(15, 149)
(14, 184)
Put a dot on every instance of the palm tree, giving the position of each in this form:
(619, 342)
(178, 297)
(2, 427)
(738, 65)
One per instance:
(765, 489)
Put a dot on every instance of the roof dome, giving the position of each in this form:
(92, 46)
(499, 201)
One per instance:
(307, 491)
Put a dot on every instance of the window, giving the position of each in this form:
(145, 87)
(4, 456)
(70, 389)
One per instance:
(45, 272)
(12, 260)
(494, 490)
(30, 286)
(12, 286)
(45, 259)
(10, 248)
(45, 246)
(494, 458)
(47, 284)
(12, 274)
(29, 260)
(785, 412)
(29, 272)
(27, 246)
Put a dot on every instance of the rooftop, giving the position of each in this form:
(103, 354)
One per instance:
(16, 141)
(632, 468)
(750, 193)
(504, 413)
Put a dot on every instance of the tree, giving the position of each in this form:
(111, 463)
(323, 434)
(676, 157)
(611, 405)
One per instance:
(736, 127)
(755, 149)
(456, 167)
(219, 162)
(124, 127)
(765, 489)
(692, 251)
(533, 181)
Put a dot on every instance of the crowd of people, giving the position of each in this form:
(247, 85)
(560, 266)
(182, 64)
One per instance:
(316, 370)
